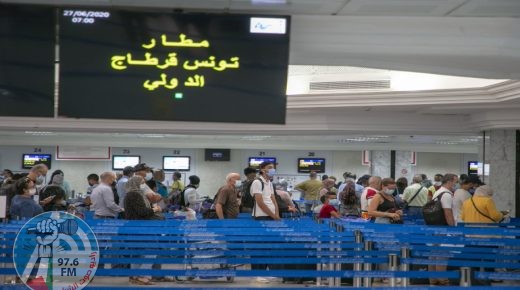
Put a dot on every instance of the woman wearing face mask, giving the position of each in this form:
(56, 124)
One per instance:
(23, 205)
(58, 178)
(384, 206)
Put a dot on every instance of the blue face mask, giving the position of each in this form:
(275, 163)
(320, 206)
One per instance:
(471, 191)
(271, 172)
(334, 202)
(456, 186)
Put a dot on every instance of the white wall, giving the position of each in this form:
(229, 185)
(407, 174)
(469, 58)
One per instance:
(212, 174)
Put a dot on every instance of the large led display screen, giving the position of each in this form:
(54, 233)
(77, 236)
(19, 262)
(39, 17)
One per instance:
(26, 61)
(118, 64)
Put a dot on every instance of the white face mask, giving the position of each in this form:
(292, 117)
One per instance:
(437, 183)
(32, 191)
(389, 191)
(40, 179)
(149, 176)
(238, 183)
(142, 186)
(334, 201)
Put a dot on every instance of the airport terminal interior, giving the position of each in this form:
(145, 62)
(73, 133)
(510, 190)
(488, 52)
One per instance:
(329, 91)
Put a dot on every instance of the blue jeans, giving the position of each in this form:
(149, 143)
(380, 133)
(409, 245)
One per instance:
(414, 212)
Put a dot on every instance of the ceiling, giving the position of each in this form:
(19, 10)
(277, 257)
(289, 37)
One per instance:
(464, 38)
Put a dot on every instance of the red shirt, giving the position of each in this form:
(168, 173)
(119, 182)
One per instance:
(326, 210)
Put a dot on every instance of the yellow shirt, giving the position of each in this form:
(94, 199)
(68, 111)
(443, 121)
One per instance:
(310, 188)
(486, 205)
(177, 185)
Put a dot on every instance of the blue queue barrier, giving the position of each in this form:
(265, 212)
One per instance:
(327, 246)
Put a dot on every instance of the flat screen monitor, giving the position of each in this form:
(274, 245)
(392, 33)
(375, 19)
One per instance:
(255, 162)
(173, 66)
(473, 168)
(307, 165)
(217, 155)
(26, 60)
(29, 160)
(119, 162)
(176, 163)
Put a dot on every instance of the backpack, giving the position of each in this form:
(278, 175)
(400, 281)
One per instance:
(282, 205)
(433, 212)
(179, 200)
(247, 199)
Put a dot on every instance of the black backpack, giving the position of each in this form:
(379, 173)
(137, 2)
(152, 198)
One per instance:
(433, 213)
(282, 205)
(180, 200)
(247, 199)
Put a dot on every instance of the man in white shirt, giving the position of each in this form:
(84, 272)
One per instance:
(416, 196)
(374, 186)
(102, 198)
(265, 201)
(462, 194)
(449, 182)
(128, 172)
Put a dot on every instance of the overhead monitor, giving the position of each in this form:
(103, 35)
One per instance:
(217, 155)
(29, 160)
(176, 163)
(119, 162)
(254, 162)
(26, 60)
(473, 167)
(307, 165)
(173, 66)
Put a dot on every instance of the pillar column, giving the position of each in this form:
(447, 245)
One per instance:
(380, 163)
(502, 151)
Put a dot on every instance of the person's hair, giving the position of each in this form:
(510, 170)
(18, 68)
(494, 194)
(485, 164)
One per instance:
(417, 178)
(93, 176)
(348, 195)
(128, 170)
(471, 179)
(324, 176)
(387, 181)
(374, 179)
(363, 179)
(448, 177)
(134, 183)
(463, 177)
(39, 167)
(333, 178)
(56, 172)
(231, 175)
(22, 184)
(177, 174)
(9, 172)
(438, 177)
(151, 184)
(104, 175)
(323, 198)
(249, 170)
(401, 182)
(265, 164)
(424, 177)
(194, 179)
(349, 175)
(313, 174)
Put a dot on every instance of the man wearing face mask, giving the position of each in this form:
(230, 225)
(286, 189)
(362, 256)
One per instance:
(226, 204)
(437, 183)
(466, 190)
(102, 198)
(262, 190)
(38, 173)
(145, 172)
(445, 193)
